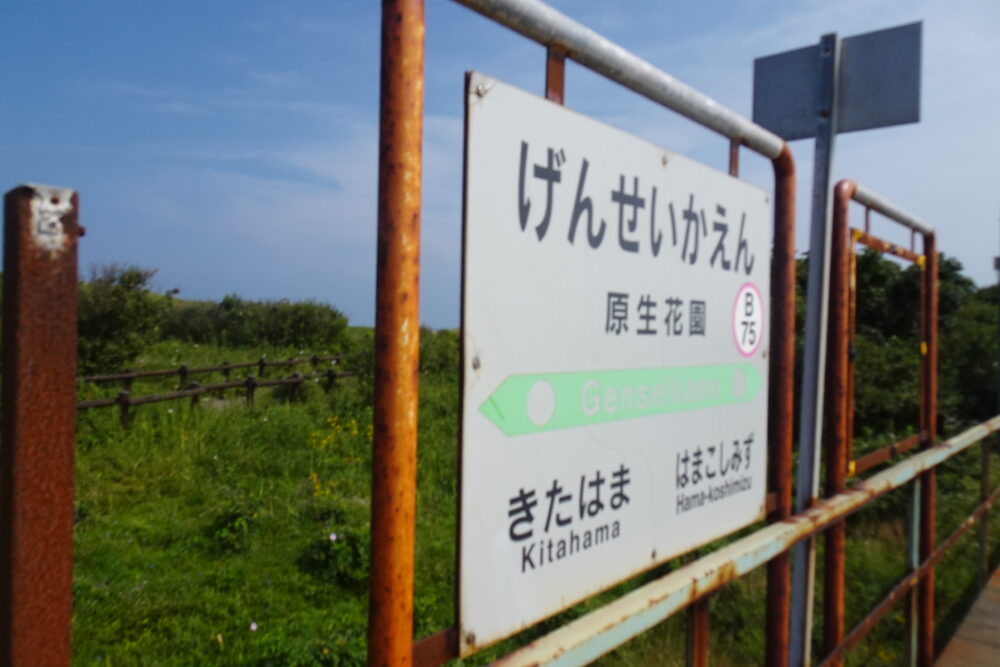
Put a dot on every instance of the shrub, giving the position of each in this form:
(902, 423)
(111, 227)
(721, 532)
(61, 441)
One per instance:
(119, 317)
(237, 322)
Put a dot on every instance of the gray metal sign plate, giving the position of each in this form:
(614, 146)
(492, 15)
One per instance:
(879, 84)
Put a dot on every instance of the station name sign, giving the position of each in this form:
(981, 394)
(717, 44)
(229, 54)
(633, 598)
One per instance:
(615, 332)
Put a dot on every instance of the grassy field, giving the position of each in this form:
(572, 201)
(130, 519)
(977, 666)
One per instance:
(222, 534)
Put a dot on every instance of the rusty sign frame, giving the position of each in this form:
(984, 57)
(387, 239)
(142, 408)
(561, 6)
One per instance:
(397, 285)
(839, 425)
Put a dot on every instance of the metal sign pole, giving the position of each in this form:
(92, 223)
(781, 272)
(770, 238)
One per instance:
(811, 410)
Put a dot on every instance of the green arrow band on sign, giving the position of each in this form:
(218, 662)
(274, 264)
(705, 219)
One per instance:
(548, 401)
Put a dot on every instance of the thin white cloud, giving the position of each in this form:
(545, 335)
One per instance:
(277, 79)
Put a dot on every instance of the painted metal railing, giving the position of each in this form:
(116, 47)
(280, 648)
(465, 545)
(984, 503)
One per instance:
(397, 330)
(593, 635)
(36, 506)
(688, 588)
(839, 425)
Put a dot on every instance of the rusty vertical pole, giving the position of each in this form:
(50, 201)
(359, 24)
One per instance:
(835, 425)
(734, 157)
(852, 349)
(990, 444)
(698, 633)
(780, 401)
(39, 423)
(928, 394)
(984, 521)
(555, 74)
(397, 334)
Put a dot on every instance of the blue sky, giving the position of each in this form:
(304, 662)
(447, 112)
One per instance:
(233, 145)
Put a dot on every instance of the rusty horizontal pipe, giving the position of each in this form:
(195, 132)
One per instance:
(590, 636)
(888, 248)
(875, 458)
(903, 588)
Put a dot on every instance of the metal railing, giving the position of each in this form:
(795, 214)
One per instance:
(600, 631)
(590, 636)
(839, 426)
(397, 331)
(39, 408)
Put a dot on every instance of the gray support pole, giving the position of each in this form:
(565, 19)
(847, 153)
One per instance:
(811, 409)
(912, 563)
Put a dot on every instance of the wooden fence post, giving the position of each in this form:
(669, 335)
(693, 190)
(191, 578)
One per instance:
(123, 405)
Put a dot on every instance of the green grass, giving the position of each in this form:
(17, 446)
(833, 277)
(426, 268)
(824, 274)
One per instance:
(196, 523)
(203, 536)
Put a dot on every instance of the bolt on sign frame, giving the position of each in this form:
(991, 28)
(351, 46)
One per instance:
(39, 424)
(397, 324)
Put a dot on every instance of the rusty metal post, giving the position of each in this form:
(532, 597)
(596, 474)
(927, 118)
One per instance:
(39, 423)
(928, 400)
(852, 349)
(987, 446)
(984, 522)
(555, 74)
(397, 334)
(835, 424)
(992, 444)
(780, 401)
(734, 157)
(698, 633)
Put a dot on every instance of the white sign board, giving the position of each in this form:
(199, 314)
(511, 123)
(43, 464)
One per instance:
(615, 323)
